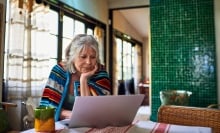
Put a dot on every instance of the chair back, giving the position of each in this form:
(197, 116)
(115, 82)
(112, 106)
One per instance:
(190, 116)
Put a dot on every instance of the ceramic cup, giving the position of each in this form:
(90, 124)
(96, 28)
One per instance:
(44, 119)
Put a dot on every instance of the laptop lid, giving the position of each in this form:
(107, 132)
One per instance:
(102, 111)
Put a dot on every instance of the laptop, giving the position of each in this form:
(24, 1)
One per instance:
(103, 111)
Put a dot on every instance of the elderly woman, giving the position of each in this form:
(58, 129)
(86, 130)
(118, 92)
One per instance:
(80, 75)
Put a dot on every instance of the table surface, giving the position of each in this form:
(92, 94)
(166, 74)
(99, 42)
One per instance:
(135, 127)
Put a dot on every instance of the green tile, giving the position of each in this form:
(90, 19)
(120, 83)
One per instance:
(183, 50)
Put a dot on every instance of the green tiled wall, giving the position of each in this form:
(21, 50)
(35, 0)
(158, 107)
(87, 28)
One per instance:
(183, 50)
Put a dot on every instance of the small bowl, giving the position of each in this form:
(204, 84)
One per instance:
(175, 97)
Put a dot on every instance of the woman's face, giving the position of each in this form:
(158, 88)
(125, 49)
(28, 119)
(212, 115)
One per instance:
(86, 60)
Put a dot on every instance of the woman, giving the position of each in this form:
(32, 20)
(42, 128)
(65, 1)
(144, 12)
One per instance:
(80, 75)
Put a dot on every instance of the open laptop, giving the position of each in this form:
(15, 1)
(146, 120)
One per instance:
(102, 111)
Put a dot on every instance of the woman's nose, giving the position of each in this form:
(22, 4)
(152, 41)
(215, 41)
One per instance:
(88, 60)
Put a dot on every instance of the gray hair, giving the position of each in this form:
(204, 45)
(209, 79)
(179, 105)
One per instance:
(78, 43)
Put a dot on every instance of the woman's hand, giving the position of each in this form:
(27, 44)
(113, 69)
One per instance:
(65, 114)
(90, 73)
(84, 88)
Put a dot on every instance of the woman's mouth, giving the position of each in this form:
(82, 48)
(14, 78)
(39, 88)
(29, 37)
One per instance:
(86, 69)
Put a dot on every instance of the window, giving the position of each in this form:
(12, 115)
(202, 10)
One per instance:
(129, 59)
(70, 24)
(124, 59)
(34, 45)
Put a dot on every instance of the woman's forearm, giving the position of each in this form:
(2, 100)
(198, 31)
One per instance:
(84, 88)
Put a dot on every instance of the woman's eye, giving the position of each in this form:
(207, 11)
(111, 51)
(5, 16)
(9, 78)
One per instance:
(93, 57)
(83, 57)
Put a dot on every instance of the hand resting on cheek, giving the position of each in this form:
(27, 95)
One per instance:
(90, 73)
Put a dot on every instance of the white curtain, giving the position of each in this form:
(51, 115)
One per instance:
(26, 50)
(138, 66)
(115, 68)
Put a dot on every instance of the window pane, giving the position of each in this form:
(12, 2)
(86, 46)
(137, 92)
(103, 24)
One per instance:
(127, 53)
(89, 31)
(79, 27)
(127, 71)
(66, 42)
(68, 24)
(119, 58)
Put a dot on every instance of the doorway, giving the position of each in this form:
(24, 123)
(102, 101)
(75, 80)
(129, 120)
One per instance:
(135, 29)
(129, 27)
